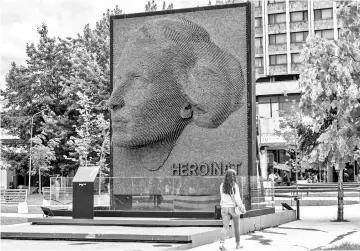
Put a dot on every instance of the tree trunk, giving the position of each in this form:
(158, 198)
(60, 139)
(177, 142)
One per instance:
(340, 213)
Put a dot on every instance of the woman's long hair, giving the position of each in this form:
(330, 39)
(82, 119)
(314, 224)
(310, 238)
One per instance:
(229, 182)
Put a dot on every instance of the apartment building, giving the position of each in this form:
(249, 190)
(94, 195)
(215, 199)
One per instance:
(281, 29)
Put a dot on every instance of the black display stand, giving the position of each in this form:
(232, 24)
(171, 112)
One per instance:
(83, 192)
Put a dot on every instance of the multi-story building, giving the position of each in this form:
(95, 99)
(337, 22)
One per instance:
(281, 29)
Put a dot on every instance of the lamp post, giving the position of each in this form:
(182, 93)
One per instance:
(31, 135)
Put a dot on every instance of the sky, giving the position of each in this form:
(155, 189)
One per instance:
(19, 20)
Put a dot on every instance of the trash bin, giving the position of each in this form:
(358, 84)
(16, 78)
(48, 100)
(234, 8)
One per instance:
(83, 192)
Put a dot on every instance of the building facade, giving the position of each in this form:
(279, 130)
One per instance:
(281, 29)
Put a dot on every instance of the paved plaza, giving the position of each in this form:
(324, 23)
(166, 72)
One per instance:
(315, 230)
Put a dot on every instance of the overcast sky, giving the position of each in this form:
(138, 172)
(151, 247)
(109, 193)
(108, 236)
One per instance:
(19, 20)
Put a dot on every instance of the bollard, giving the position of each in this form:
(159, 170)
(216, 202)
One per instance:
(297, 207)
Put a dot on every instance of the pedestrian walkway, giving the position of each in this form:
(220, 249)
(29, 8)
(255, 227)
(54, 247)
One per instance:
(315, 230)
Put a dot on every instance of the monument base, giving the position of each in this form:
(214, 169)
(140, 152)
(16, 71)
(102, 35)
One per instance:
(179, 231)
(101, 212)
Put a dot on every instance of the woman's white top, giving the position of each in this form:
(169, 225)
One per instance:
(226, 200)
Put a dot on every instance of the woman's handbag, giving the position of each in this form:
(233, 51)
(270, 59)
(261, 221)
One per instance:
(238, 209)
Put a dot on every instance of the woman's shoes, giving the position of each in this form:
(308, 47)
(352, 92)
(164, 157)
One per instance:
(222, 246)
(238, 246)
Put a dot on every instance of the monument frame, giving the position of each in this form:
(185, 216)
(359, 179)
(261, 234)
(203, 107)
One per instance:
(250, 76)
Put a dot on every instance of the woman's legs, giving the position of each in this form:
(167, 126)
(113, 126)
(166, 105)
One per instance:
(226, 221)
(236, 222)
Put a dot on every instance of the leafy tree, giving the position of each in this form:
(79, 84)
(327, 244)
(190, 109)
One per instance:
(56, 70)
(91, 143)
(330, 87)
(152, 6)
(288, 130)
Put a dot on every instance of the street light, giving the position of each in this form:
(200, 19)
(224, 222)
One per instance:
(31, 135)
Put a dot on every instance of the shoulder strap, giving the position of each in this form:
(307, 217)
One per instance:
(233, 199)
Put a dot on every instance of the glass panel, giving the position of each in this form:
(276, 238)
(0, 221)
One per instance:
(272, 39)
(296, 16)
(258, 62)
(317, 14)
(295, 58)
(281, 59)
(328, 34)
(280, 18)
(258, 42)
(271, 19)
(156, 193)
(273, 60)
(264, 110)
(281, 38)
(275, 110)
(258, 22)
(327, 14)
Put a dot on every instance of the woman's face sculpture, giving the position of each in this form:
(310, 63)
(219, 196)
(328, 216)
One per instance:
(170, 74)
(147, 101)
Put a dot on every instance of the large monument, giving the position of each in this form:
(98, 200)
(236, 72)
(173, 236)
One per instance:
(182, 104)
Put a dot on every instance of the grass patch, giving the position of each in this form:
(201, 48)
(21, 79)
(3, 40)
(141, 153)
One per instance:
(12, 220)
(344, 246)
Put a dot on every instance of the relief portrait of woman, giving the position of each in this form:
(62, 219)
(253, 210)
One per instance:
(170, 74)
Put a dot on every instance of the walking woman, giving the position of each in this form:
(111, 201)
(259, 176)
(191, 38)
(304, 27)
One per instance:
(230, 198)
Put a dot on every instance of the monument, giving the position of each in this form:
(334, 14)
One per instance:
(182, 106)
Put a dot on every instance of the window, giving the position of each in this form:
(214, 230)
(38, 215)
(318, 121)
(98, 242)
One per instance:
(277, 39)
(259, 42)
(323, 14)
(327, 34)
(298, 37)
(258, 22)
(259, 62)
(278, 59)
(298, 16)
(295, 58)
(268, 107)
(277, 18)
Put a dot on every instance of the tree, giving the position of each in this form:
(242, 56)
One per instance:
(151, 6)
(289, 123)
(330, 85)
(56, 70)
(91, 143)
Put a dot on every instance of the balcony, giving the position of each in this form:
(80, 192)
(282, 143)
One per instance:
(277, 48)
(323, 24)
(275, 88)
(278, 69)
(298, 5)
(258, 11)
(299, 26)
(277, 28)
(323, 4)
(259, 31)
(296, 47)
(276, 8)
(259, 50)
